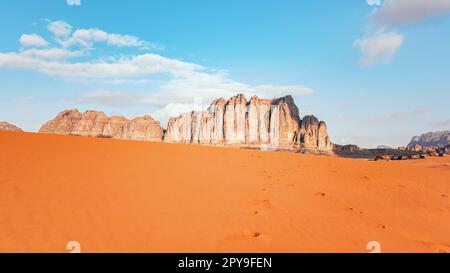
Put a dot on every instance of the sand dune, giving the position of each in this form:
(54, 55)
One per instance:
(125, 196)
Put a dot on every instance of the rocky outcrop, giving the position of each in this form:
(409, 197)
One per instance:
(63, 124)
(255, 123)
(416, 148)
(384, 147)
(258, 123)
(97, 124)
(346, 148)
(313, 134)
(5, 126)
(432, 139)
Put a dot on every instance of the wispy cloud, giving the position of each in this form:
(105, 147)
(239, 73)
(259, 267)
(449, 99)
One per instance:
(197, 86)
(194, 92)
(67, 37)
(56, 59)
(33, 40)
(402, 12)
(50, 54)
(73, 2)
(180, 86)
(88, 37)
(379, 47)
(420, 110)
(140, 65)
(59, 28)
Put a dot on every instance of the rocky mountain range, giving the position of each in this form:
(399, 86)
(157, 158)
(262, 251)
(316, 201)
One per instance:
(431, 139)
(258, 123)
(97, 124)
(5, 126)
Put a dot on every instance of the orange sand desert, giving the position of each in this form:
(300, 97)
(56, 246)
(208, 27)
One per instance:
(126, 196)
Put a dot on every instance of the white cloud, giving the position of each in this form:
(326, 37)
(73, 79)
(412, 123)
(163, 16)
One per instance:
(138, 66)
(402, 12)
(73, 2)
(88, 37)
(378, 47)
(33, 40)
(210, 86)
(194, 92)
(60, 29)
(52, 54)
(54, 60)
(197, 93)
(388, 14)
(199, 87)
(175, 109)
(181, 86)
(374, 2)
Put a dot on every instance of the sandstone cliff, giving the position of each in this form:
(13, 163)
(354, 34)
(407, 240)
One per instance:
(97, 124)
(255, 123)
(5, 126)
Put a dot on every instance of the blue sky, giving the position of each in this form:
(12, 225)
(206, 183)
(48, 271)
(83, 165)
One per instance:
(376, 71)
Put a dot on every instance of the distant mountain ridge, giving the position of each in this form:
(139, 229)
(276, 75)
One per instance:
(431, 139)
(5, 126)
(97, 124)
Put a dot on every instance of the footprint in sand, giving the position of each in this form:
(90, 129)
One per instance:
(444, 195)
(354, 210)
(321, 194)
(365, 177)
(267, 203)
(264, 202)
(247, 239)
(250, 234)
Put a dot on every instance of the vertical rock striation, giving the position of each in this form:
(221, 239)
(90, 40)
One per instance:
(255, 123)
(259, 123)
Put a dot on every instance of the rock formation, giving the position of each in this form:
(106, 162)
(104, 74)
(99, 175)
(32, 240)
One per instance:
(416, 148)
(346, 148)
(97, 124)
(384, 147)
(255, 123)
(431, 139)
(258, 123)
(5, 126)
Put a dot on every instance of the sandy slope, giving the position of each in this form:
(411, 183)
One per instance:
(115, 195)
